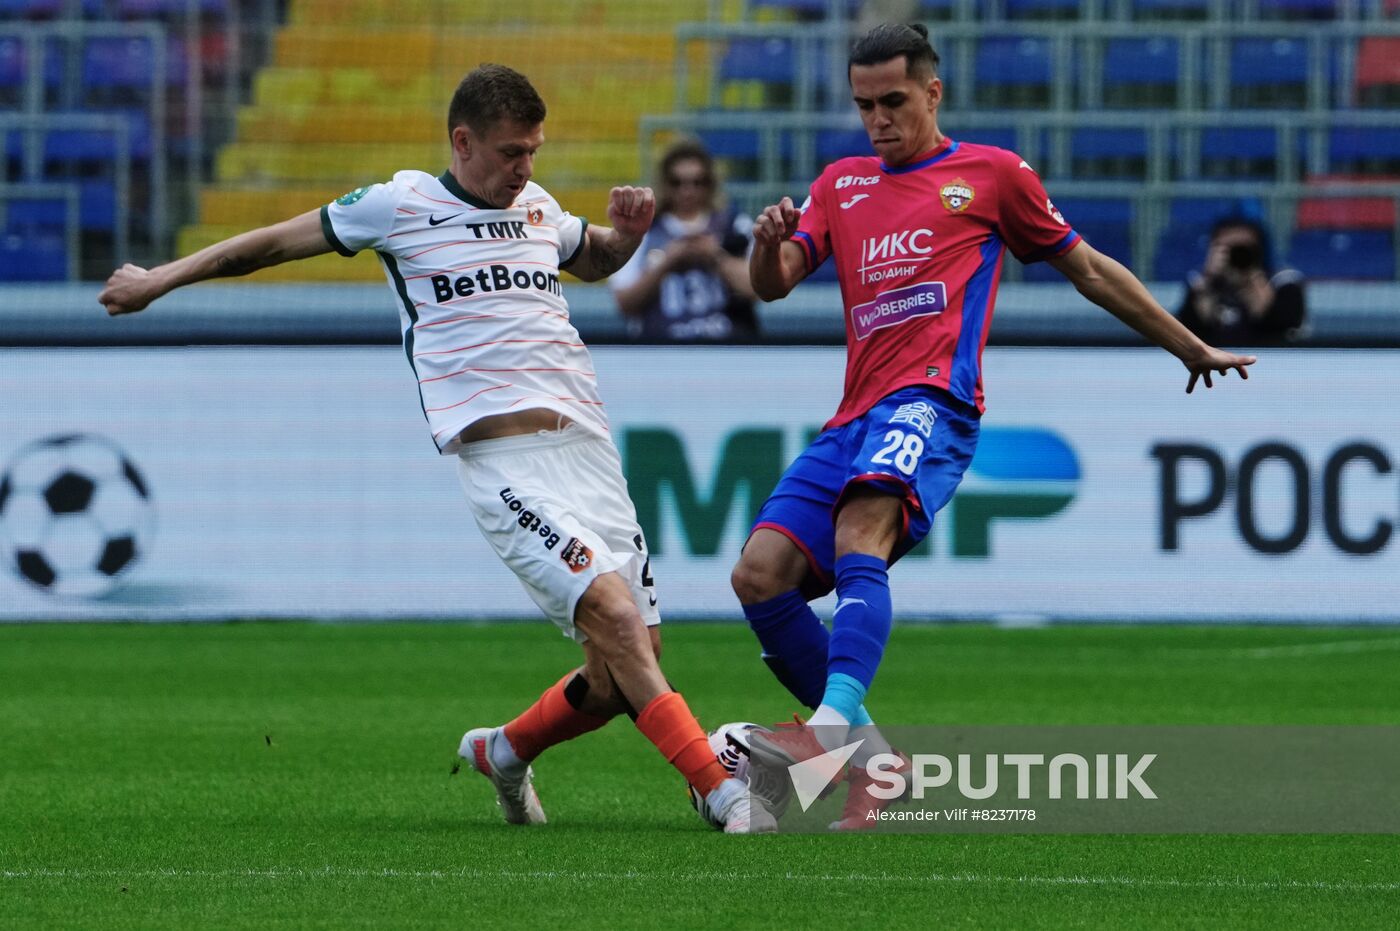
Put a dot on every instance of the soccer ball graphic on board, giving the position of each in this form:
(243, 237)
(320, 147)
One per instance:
(75, 515)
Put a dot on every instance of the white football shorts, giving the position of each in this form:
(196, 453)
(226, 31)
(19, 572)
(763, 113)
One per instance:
(554, 506)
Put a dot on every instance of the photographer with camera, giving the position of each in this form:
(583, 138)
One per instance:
(1236, 298)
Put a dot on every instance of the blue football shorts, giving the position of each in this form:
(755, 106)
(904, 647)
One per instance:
(915, 444)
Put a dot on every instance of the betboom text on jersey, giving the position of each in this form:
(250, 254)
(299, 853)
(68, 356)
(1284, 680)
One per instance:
(494, 278)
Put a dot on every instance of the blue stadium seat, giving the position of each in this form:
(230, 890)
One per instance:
(808, 9)
(1108, 154)
(1365, 149)
(97, 205)
(1003, 137)
(26, 214)
(1298, 9)
(1013, 71)
(85, 145)
(773, 60)
(1179, 251)
(137, 9)
(1245, 151)
(1271, 71)
(1171, 9)
(1139, 72)
(126, 63)
(1042, 9)
(1365, 255)
(840, 143)
(34, 256)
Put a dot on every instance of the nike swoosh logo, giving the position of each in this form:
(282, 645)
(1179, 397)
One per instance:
(434, 221)
(848, 204)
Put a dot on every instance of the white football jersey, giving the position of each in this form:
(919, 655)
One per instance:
(485, 324)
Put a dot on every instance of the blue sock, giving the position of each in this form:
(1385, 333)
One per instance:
(844, 696)
(861, 626)
(861, 718)
(795, 644)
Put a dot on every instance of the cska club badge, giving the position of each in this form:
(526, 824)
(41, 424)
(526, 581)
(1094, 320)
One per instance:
(535, 215)
(957, 195)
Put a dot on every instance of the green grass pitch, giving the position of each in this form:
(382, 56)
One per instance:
(292, 775)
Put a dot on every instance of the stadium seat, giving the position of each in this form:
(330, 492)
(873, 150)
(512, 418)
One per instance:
(1245, 152)
(25, 214)
(1013, 71)
(1298, 9)
(1360, 213)
(1179, 251)
(1042, 9)
(12, 71)
(138, 9)
(1171, 9)
(1108, 154)
(1269, 71)
(1378, 71)
(1141, 72)
(1355, 255)
(840, 143)
(34, 256)
(1364, 150)
(126, 63)
(772, 60)
(807, 9)
(88, 145)
(1003, 137)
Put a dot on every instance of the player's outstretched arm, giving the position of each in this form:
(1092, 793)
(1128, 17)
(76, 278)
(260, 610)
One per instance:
(1107, 283)
(776, 264)
(132, 288)
(604, 251)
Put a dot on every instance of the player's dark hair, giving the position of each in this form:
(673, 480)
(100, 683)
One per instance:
(491, 93)
(682, 150)
(890, 40)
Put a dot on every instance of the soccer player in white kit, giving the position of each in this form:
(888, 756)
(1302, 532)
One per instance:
(473, 258)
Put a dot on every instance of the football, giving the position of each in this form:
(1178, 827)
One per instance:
(730, 743)
(75, 515)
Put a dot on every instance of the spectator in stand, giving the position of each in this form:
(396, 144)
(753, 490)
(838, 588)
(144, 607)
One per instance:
(689, 281)
(1237, 298)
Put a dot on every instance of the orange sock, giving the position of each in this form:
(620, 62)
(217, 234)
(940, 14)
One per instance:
(668, 723)
(551, 720)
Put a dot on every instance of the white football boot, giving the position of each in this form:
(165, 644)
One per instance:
(515, 792)
(731, 806)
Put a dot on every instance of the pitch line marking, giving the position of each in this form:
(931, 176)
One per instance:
(1321, 649)
(713, 875)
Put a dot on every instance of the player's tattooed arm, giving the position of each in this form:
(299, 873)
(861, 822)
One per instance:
(1107, 283)
(605, 250)
(132, 288)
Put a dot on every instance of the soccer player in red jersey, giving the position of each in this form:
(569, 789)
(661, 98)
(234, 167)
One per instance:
(917, 233)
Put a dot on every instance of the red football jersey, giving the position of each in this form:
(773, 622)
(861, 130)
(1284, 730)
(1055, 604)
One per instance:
(918, 252)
